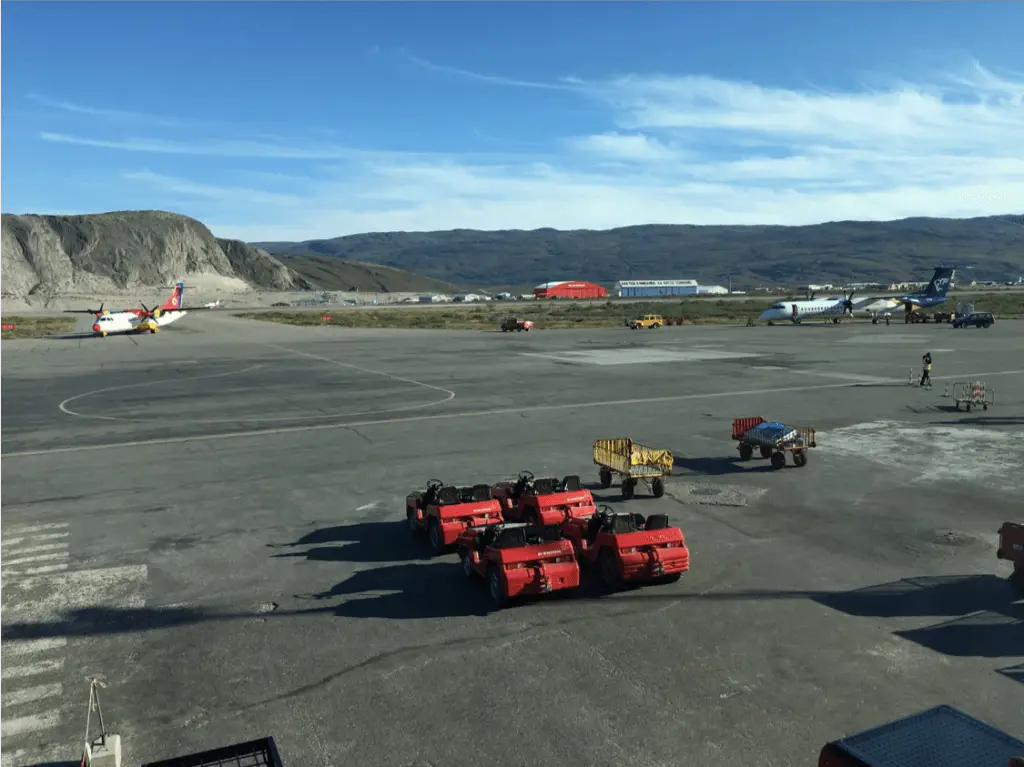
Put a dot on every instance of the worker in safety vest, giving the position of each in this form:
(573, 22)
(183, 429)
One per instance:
(926, 370)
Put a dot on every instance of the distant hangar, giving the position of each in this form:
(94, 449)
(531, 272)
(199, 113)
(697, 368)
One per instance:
(655, 288)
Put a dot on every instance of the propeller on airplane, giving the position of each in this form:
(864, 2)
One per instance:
(848, 303)
(87, 311)
(147, 312)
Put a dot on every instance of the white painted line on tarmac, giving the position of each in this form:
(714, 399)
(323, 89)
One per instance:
(854, 377)
(36, 558)
(36, 528)
(16, 648)
(25, 724)
(479, 414)
(63, 406)
(42, 667)
(42, 537)
(35, 570)
(31, 694)
(44, 547)
(27, 757)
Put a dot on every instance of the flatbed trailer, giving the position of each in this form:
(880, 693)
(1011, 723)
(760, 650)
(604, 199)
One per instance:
(939, 737)
(773, 440)
(634, 463)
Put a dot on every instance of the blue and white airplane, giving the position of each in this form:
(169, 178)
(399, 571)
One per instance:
(837, 308)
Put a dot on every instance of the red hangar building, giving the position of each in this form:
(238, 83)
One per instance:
(574, 289)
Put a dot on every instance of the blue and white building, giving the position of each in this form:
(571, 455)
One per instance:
(658, 288)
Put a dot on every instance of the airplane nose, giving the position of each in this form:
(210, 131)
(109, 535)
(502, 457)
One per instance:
(96, 327)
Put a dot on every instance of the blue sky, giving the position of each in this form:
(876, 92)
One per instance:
(297, 120)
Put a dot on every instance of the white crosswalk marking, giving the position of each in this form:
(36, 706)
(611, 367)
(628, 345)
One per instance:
(31, 670)
(31, 694)
(40, 587)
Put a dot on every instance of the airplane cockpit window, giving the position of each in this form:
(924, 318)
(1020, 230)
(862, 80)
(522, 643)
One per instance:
(779, 305)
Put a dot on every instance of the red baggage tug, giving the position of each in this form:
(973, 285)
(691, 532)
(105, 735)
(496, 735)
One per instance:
(547, 501)
(445, 511)
(517, 559)
(627, 548)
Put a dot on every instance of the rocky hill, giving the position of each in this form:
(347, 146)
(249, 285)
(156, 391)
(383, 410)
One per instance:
(109, 253)
(837, 251)
(341, 274)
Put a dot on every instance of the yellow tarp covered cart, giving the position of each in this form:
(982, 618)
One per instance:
(634, 462)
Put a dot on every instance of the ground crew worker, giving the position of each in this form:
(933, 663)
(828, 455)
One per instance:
(926, 370)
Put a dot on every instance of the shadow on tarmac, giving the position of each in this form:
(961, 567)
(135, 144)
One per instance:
(389, 541)
(986, 612)
(717, 466)
(1013, 673)
(984, 420)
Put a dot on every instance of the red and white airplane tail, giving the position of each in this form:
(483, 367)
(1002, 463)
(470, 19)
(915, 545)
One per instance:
(174, 302)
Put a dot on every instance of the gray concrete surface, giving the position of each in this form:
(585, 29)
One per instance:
(209, 520)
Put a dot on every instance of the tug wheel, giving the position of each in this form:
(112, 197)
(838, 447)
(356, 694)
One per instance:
(495, 587)
(435, 537)
(609, 570)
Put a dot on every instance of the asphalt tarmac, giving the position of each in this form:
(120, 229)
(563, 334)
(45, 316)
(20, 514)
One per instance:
(210, 520)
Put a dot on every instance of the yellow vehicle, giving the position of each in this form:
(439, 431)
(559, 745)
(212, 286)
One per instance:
(634, 463)
(647, 321)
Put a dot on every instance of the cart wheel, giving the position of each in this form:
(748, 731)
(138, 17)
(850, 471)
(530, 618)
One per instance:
(778, 460)
(658, 487)
(627, 488)
(985, 406)
(799, 457)
(766, 452)
(968, 407)
(605, 477)
(746, 452)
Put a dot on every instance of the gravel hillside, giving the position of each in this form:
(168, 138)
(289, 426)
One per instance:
(47, 256)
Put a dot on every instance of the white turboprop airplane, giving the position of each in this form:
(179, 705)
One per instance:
(837, 308)
(142, 320)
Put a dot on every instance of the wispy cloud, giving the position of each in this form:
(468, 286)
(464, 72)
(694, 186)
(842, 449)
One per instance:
(116, 115)
(188, 188)
(684, 149)
(466, 74)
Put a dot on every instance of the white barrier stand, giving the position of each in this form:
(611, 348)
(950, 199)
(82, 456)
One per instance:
(945, 392)
(104, 754)
(104, 751)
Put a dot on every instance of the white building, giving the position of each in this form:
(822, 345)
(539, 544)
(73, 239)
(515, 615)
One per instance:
(659, 288)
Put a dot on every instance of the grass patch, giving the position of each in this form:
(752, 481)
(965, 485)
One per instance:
(545, 315)
(1004, 305)
(35, 327)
